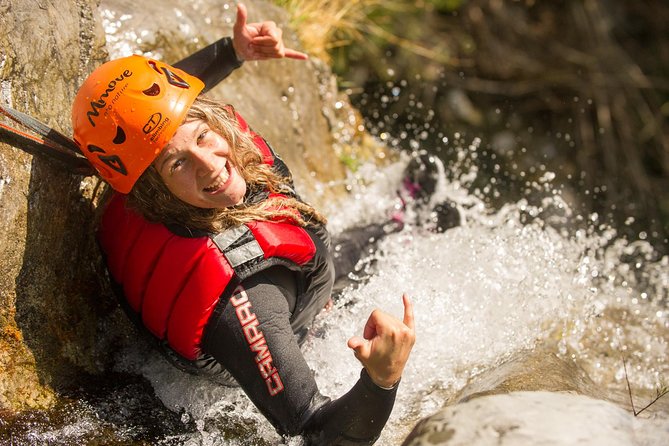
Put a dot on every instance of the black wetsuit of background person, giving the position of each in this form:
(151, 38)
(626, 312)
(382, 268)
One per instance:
(355, 418)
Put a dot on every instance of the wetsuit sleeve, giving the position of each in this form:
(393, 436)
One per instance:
(212, 63)
(252, 337)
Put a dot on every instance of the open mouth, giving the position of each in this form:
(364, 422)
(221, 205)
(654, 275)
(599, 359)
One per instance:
(220, 182)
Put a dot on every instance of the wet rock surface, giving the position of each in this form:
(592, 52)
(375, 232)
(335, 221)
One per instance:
(513, 419)
(57, 319)
(60, 328)
(535, 397)
(539, 370)
(47, 264)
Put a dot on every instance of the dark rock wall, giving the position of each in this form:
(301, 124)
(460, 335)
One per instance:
(47, 266)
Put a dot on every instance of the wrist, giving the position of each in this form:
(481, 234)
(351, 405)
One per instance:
(385, 384)
(237, 51)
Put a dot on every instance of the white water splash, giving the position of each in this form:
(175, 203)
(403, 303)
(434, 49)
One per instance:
(482, 292)
(128, 34)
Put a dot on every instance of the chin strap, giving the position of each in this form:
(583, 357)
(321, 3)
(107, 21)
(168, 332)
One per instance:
(47, 142)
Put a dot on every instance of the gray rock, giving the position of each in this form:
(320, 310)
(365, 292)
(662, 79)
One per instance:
(48, 278)
(529, 418)
(529, 399)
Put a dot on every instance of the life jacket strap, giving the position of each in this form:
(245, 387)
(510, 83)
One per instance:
(240, 248)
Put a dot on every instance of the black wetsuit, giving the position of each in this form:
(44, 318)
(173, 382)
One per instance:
(356, 417)
(212, 63)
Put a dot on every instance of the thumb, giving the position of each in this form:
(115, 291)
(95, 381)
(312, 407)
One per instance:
(360, 346)
(240, 22)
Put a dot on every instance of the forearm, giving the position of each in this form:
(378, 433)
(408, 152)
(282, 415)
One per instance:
(356, 418)
(290, 399)
(212, 63)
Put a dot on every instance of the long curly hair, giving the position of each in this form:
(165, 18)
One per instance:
(153, 200)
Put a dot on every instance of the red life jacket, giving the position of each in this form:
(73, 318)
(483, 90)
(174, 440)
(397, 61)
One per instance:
(173, 283)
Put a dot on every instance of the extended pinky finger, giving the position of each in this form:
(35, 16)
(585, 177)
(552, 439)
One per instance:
(408, 312)
(292, 54)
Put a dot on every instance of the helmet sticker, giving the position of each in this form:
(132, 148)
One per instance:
(101, 103)
(120, 136)
(164, 124)
(152, 123)
(113, 161)
(153, 90)
(172, 77)
(175, 79)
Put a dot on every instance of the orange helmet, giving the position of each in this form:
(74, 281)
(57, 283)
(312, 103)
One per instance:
(126, 112)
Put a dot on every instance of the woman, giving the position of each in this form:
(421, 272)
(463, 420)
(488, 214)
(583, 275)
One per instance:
(216, 255)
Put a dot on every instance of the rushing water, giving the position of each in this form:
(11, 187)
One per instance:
(494, 286)
(532, 274)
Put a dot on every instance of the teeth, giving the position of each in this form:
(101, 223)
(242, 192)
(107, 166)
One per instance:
(220, 181)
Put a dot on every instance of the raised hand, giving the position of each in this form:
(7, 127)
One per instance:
(385, 345)
(260, 41)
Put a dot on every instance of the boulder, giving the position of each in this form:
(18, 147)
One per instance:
(522, 418)
(534, 397)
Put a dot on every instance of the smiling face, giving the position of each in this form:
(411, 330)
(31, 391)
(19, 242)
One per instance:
(195, 166)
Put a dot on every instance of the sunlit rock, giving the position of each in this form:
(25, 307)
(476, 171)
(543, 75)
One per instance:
(531, 371)
(546, 418)
(535, 398)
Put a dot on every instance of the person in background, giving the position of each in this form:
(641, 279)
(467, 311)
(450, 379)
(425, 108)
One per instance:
(212, 250)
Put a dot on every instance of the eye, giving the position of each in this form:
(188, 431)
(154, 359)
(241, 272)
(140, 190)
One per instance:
(176, 164)
(201, 136)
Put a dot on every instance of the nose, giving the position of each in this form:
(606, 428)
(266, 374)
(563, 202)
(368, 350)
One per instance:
(206, 161)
